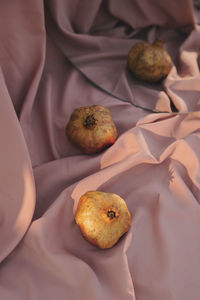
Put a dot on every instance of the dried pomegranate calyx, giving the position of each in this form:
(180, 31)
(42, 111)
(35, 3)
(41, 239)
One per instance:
(90, 121)
(158, 43)
(111, 214)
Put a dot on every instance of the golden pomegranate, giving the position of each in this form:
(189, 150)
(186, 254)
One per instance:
(102, 218)
(149, 62)
(91, 128)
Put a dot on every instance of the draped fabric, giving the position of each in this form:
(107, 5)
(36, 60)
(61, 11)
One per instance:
(58, 55)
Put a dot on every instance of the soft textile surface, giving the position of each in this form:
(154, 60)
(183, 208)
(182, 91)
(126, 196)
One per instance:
(62, 54)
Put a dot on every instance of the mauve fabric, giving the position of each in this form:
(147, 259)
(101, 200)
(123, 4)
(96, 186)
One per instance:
(62, 54)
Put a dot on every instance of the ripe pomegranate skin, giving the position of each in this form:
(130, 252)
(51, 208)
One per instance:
(91, 128)
(149, 62)
(102, 218)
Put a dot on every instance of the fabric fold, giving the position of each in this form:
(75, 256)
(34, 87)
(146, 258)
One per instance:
(17, 186)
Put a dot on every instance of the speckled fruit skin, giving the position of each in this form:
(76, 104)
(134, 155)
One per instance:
(91, 128)
(102, 218)
(149, 62)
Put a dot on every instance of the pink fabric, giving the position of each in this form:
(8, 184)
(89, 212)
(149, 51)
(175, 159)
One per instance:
(66, 54)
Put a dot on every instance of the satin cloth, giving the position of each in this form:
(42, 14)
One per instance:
(59, 55)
